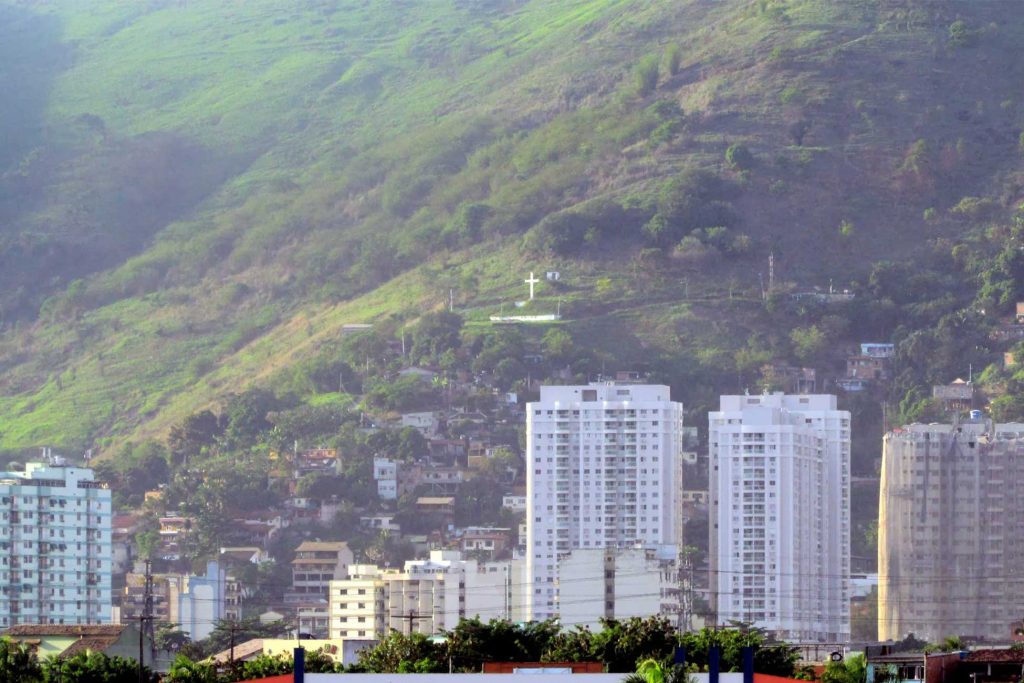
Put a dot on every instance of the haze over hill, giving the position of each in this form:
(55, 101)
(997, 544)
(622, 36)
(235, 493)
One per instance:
(196, 196)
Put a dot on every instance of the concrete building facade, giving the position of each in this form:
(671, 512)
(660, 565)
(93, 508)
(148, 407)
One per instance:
(55, 547)
(779, 485)
(201, 601)
(951, 531)
(427, 596)
(615, 583)
(602, 464)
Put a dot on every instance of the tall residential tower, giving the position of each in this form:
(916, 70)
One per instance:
(55, 554)
(603, 471)
(780, 515)
(951, 531)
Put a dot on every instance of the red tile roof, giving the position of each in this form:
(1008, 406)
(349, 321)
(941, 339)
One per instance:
(995, 655)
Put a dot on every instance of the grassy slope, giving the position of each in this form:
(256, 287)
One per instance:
(327, 105)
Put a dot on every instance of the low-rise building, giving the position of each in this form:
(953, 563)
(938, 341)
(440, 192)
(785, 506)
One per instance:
(122, 541)
(56, 640)
(343, 651)
(426, 423)
(955, 396)
(790, 379)
(435, 480)
(240, 555)
(444, 506)
(514, 503)
(877, 350)
(872, 368)
(380, 523)
(385, 473)
(427, 596)
(483, 543)
(173, 529)
(316, 564)
(316, 461)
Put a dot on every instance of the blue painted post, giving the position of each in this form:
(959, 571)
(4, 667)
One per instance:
(748, 664)
(300, 665)
(714, 661)
(679, 656)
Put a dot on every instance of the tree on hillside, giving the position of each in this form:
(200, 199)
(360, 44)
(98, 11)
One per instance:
(436, 333)
(689, 201)
(808, 342)
(246, 415)
(645, 75)
(195, 433)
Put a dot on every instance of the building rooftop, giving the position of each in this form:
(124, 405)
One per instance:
(995, 655)
(314, 546)
(90, 637)
(65, 630)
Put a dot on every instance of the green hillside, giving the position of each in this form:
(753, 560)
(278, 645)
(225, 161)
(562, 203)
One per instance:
(197, 196)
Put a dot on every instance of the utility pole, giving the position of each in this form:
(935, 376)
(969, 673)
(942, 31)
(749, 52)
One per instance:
(233, 629)
(146, 618)
(149, 612)
(142, 643)
(411, 617)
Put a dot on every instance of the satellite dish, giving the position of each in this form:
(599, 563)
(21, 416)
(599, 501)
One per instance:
(836, 656)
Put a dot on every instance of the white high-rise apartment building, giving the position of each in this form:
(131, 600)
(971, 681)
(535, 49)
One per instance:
(602, 472)
(55, 553)
(780, 515)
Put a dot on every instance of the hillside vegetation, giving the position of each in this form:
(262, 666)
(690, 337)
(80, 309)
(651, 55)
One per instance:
(195, 197)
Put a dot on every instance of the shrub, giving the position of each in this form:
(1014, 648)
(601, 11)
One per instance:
(974, 208)
(798, 131)
(961, 36)
(646, 75)
(673, 57)
(739, 157)
(664, 132)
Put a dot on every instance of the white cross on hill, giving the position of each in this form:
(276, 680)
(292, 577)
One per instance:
(531, 281)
